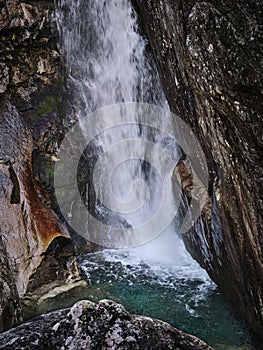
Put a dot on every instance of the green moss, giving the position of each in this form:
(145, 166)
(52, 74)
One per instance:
(47, 105)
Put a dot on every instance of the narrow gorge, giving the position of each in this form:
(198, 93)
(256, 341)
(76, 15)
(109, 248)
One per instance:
(131, 172)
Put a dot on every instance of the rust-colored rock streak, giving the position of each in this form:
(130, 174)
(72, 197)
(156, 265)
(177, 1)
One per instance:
(27, 225)
(29, 67)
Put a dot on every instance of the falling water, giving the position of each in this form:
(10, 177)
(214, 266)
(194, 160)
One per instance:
(108, 63)
(106, 55)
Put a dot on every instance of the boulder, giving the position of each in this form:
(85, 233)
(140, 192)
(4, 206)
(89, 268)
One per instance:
(105, 325)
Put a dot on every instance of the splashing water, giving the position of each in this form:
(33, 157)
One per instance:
(162, 281)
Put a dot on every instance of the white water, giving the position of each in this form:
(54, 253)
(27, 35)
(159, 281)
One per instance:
(107, 63)
(106, 55)
(165, 256)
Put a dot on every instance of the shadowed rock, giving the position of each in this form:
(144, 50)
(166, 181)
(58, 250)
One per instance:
(209, 56)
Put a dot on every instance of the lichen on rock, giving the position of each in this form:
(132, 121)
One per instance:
(104, 325)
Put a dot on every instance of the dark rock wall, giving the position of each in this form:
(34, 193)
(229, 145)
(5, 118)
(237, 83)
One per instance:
(29, 125)
(10, 308)
(209, 56)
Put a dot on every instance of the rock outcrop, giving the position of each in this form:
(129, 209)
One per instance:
(29, 70)
(105, 325)
(209, 56)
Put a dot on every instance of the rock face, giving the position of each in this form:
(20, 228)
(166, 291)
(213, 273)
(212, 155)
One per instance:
(10, 308)
(103, 326)
(209, 56)
(29, 69)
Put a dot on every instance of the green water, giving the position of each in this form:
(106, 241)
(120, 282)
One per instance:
(190, 302)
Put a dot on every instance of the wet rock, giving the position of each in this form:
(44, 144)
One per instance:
(57, 274)
(4, 77)
(10, 308)
(27, 225)
(105, 325)
(52, 296)
(209, 56)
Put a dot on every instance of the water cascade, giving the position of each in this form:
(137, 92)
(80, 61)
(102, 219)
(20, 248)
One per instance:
(108, 64)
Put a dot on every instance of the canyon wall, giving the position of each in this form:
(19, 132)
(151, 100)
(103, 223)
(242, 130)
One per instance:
(209, 56)
(29, 67)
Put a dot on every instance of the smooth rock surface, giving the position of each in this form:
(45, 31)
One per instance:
(105, 325)
(209, 55)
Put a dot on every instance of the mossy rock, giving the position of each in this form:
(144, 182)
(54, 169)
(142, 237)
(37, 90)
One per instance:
(47, 106)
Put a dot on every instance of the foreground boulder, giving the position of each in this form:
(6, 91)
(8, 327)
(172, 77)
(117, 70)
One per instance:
(209, 56)
(105, 325)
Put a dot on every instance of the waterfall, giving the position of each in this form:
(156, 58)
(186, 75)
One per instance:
(108, 63)
(106, 55)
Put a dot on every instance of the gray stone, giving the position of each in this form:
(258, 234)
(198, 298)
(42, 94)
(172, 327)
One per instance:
(89, 326)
